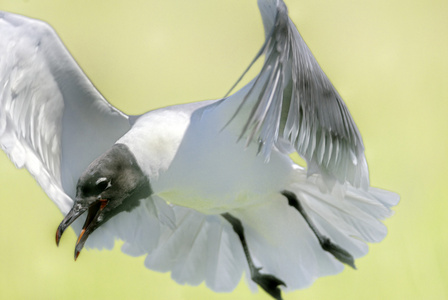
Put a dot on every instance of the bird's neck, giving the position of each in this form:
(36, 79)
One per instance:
(154, 140)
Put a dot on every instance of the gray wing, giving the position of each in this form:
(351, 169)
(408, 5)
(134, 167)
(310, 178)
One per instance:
(293, 103)
(52, 119)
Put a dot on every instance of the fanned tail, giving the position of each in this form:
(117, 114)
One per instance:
(283, 244)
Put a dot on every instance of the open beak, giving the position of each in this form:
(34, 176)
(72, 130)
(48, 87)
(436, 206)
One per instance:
(91, 223)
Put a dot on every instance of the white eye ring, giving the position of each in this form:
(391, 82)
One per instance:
(102, 179)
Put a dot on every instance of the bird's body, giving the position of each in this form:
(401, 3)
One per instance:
(210, 172)
(206, 190)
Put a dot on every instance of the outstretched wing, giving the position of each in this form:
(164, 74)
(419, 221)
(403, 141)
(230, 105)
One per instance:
(292, 105)
(54, 122)
(52, 119)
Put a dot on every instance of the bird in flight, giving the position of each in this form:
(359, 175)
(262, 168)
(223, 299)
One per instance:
(206, 190)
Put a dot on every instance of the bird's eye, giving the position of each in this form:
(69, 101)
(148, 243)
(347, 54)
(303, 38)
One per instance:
(102, 183)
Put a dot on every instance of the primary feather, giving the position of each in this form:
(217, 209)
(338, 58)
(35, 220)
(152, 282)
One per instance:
(293, 100)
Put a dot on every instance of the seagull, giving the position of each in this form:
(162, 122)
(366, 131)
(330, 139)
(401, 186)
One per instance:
(205, 190)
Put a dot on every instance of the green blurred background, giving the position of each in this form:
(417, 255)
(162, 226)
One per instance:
(388, 59)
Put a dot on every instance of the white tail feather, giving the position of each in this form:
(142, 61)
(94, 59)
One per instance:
(283, 244)
(200, 248)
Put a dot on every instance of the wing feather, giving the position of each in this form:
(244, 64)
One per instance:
(292, 99)
(54, 121)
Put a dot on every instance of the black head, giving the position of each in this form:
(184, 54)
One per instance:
(111, 184)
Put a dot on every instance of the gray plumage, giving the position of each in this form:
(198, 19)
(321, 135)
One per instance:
(293, 100)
